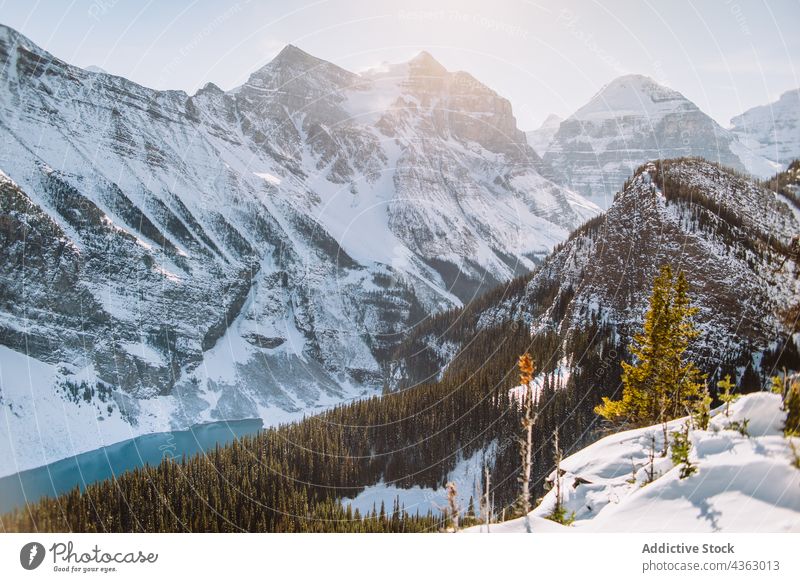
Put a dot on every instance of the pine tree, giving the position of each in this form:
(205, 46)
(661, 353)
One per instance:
(750, 381)
(660, 383)
(686, 380)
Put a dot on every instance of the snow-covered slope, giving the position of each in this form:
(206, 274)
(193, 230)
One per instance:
(726, 233)
(539, 139)
(631, 120)
(742, 483)
(731, 236)
(773, 130)
(255, 253)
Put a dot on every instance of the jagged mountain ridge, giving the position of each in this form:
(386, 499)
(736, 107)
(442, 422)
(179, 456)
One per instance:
(632, 120)
(251, 253)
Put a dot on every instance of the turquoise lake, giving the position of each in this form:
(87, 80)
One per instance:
(59, 477)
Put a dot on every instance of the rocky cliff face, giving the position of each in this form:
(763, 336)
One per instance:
(169, 259)
(630, 121)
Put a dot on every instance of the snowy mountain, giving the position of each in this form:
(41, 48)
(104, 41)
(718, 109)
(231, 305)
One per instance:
(732, 238)
(170, 259)
(539, 139)
(744, 481)
(727, 234)
(634, 119)
(773, 130)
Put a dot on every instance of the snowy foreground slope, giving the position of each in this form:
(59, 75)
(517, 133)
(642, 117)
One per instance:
(743, 482)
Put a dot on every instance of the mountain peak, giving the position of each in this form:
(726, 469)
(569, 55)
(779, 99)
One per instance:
(551, 121)
(293, 64)
(293, 56)
(633, 95)
(636, 84)
(771, 130)
(424, 64)
(633, 80)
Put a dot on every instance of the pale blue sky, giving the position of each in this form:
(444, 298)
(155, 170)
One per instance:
(725, 55)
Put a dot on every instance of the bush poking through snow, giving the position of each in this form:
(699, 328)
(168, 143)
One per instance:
(702, 412)
(633, 480)
(791, 404)
(681, 447)
(795, 454)
(650, 473)
(559, 513)
(777, 386)
(561, 516)
(726, 393)
(739, 426)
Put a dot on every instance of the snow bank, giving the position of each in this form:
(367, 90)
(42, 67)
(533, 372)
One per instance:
(743, 483)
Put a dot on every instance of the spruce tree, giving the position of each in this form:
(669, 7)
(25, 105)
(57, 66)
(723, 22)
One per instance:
(683, 377)
(470, 517)
(660, 383)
